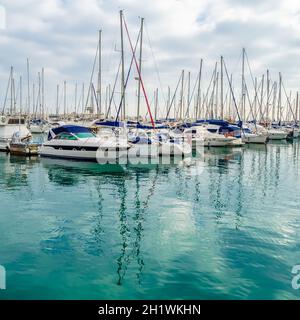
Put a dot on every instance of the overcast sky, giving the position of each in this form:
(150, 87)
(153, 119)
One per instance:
(62, 35)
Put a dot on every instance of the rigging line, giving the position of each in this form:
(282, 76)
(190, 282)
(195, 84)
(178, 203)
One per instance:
(268, 100)
(127, 77)
(191, 97)
(6, 95)
(92, 74)
(289, 104)
(113, 91)
(141, 80)
(155, 63)
(252, 78)
(233, 97)
(251, 105)
(168, 111)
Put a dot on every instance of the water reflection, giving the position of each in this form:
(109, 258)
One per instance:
(137, 225)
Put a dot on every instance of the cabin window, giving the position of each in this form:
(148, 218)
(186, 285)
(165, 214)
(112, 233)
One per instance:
(16, 121)
(65, 136)
(85, 135)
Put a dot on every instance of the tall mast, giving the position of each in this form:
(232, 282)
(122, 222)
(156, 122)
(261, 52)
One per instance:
(199, 90)
(75, 102)
(217, 95)
(261, 97)
(222, 93)
(65, 98)
(297, 107)
(243, 87)
(82, 101)
(274, 101)
(169, 98)
(140, 68)
(279, 99)
(268, 93)
(43, 93)
(122, 67)
(33, 100)
(188, 94)
(181, 95)
(57, 99)
(28, 87)
(21, 93)
(39, 95)
(11, 89)
(156, 103)
(99, 98)
(255, 98)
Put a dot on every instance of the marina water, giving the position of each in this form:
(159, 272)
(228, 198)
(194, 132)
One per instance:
(224, 228)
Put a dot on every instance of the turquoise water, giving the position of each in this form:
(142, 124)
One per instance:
(71, 230)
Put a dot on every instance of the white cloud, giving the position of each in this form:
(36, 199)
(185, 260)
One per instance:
(62, 37)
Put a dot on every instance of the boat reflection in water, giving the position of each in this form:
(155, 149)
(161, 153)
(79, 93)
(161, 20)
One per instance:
(145, 231)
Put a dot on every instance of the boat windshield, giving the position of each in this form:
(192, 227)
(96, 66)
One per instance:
(83, 135)
(65, 136)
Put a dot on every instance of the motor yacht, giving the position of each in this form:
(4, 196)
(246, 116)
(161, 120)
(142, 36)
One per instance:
(10, 125)
(78, 142)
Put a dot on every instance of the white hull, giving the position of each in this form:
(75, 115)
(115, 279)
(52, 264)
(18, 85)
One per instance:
(7, 131)
(4, 144)
(254, 138)
(37, 129)
(277, 135)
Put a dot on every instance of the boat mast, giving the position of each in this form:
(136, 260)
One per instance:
(99, 98)
(188, 94)
(65, 98)
(181, 95)
(169, 98)
(122, 67)
(217, 96)
(21, 93)
(199, 91)
(297, 107)
(140, 67)
(57, 99)
(255, 99)
(43, 94)
(28, 87)
(11, 89)
(75, 102)
(268, 94)
(221, 89)
(279, 99)
(243, 87)
(82, 102)
(39, 96)
(274, 100)
(33, 100)
(261, 97)
(156, 103)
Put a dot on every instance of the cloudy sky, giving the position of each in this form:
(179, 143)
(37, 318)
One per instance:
(62, 35)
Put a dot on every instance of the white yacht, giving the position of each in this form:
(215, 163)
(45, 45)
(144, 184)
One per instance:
(38, 126)
(142, 144)
(172, 145)
(201, 136)
(10, 125)
(277, 134)
(77, 142)
(252, 136)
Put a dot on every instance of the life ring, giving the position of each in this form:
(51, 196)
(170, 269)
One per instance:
(3, 119)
